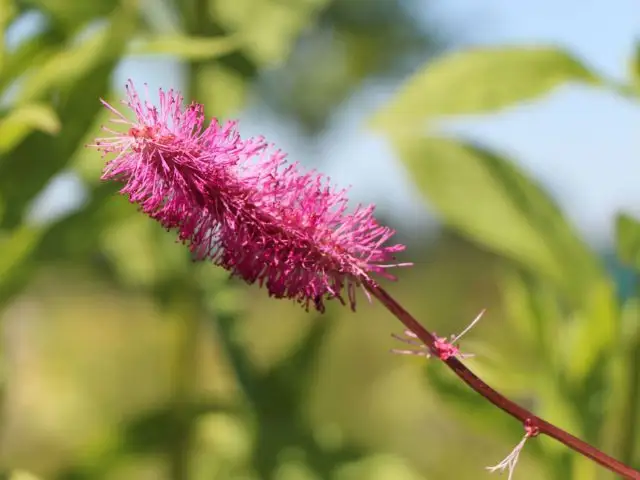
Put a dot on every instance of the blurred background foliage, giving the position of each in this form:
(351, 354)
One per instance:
(123, 359)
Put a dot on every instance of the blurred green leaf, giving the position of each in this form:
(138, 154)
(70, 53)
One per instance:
(533, 312)
(15, 246)
(76, 236)
(30, 166)
(133, 246)
(30, 53)
(22, 475)
(72, 63)
(560, 377)
(7, 11)
(622, 396)
(187, 48)
(634, 68)
(295, 373)
(591, 333)
(150, 432)
(268, 29)
(72, 238)
(478, 80)
(154, 431)
(347, 45)
(488, 199)
(244, 369)
(22, 120)
(628, 240)
(72, 15)
(468, 404)
(230, 91)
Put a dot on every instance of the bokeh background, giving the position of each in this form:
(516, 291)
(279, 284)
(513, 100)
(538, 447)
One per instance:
(499, 138)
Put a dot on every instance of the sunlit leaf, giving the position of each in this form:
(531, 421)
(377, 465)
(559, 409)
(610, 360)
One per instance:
(30, 52)
(70, 64)
(76, 236)
(15, 246)
(623, 378)
(533, 312)
(628, 240)
(188, 48)
(134, 247)
(73, 15)
(469, 405)
(478, 80)
(534, 309)
(7, 11)
(24, 119)
(30, 166)
(268, 29)
(71, 238)
(229, 91)
(296, 371)
(154, 431)
(244, 369)
(634, 68)
(493, 203)
(591, 333)
(22, 475)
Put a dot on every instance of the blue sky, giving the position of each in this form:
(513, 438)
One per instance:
(581, 143)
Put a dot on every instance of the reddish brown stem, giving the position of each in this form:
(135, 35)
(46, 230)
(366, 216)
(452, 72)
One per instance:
(499, 400)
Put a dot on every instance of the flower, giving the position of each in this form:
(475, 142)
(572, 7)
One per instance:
(240, 204)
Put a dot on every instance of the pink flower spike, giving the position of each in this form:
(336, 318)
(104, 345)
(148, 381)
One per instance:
(237, 203)
(511, 460)
(444, 348)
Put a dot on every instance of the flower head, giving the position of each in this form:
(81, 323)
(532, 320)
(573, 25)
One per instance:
(238, 203)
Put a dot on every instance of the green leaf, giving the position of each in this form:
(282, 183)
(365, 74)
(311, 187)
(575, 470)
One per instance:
(533, 313)
(22, 475)
(294, 373)
(493, 203)
(74, 15)
(590, 333)
(71, 64)
(8, 11)
(479, 80)
(155, 430)
(468, 405)
(30, 166)
(29, 54)
(634, 69)
(15, 247)
(628, 240)
(133, 246)
(23, 120)
(187, 48)
(268, 29)
(72, 238)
